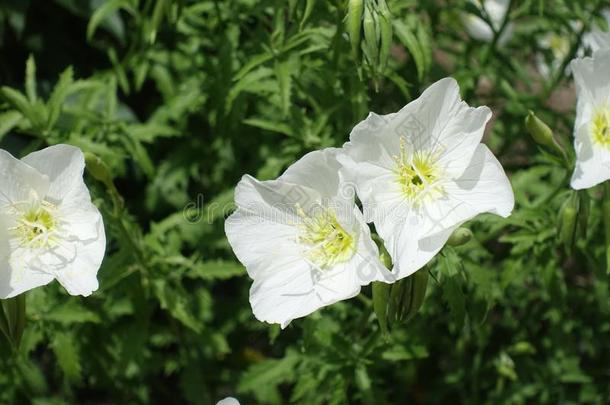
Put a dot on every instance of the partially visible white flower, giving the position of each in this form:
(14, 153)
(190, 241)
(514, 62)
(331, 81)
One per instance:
(597, 39)
(302, 239)
(496, 11)
(422, 172)
(559, 47)
(228, 401)
(49, 227)
(592, 126)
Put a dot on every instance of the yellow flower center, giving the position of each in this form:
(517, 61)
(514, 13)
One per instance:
(416, 175)
(328, 243)
(36, 223)
(600, 127)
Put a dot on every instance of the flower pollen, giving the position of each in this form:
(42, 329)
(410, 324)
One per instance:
(36, 224)
(417, 173)
(328, 243)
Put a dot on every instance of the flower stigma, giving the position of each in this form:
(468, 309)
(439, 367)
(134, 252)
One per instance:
(328, 243)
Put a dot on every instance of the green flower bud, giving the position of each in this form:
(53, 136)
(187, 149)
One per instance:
(542, 134)
(460, 237)
(381, 296)
(385, 28)
(371, 41)
(353, 24)
(97, 168)
(407, 296)
(572, 221)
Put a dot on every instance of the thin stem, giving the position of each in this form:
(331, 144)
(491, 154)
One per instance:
(606, 216)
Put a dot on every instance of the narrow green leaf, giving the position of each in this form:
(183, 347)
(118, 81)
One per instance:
(30, 79)
(104, 11)
(409, 40)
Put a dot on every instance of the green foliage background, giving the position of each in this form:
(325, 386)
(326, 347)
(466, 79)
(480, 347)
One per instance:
(180, 98)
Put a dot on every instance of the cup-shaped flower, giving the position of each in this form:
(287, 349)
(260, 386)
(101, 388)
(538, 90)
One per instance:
(479, 29)
(592, 126)
(302, 239)
(422, 172)
(49, 227)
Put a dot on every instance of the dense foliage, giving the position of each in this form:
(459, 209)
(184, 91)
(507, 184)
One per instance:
(180, 98)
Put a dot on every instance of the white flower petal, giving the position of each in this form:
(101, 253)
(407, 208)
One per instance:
(592, 165)
(590, 75)
(79, 277)
(16, 279)
(18, 180)
(228, 401)
(312, 171)
(483, 187)
(414, 251)
(81, 217)
(64, 164)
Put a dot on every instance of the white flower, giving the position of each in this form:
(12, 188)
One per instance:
(228, 401)
(597, 39)
(496, 11)
(422, 172)
(49, 227)
(559, 47)
(302, 239)
(592, 126)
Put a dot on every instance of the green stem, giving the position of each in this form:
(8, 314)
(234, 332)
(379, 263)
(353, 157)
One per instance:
(606, 215)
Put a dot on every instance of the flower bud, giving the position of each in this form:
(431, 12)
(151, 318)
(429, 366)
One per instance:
(386, 33)
(542, 134)
(97, 168)
(572, 221)
(353, 24)
(407, 296)
(381, 296)
(371, 44)
(460, 237)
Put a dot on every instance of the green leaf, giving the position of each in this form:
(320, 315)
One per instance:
(410, 41)
(65, 347)
(216, 270)
(278, 127)
(58, 96)
(175, 300)
(105, 11)
(8, 121)
(452, 288)
(30, 79)
(71, 312)
(261, 380)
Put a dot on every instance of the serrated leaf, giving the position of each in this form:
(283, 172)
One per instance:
(175, 300)
(262, 379)
(8, 121)
(65, 348)
(71, 312)
(58, 96)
